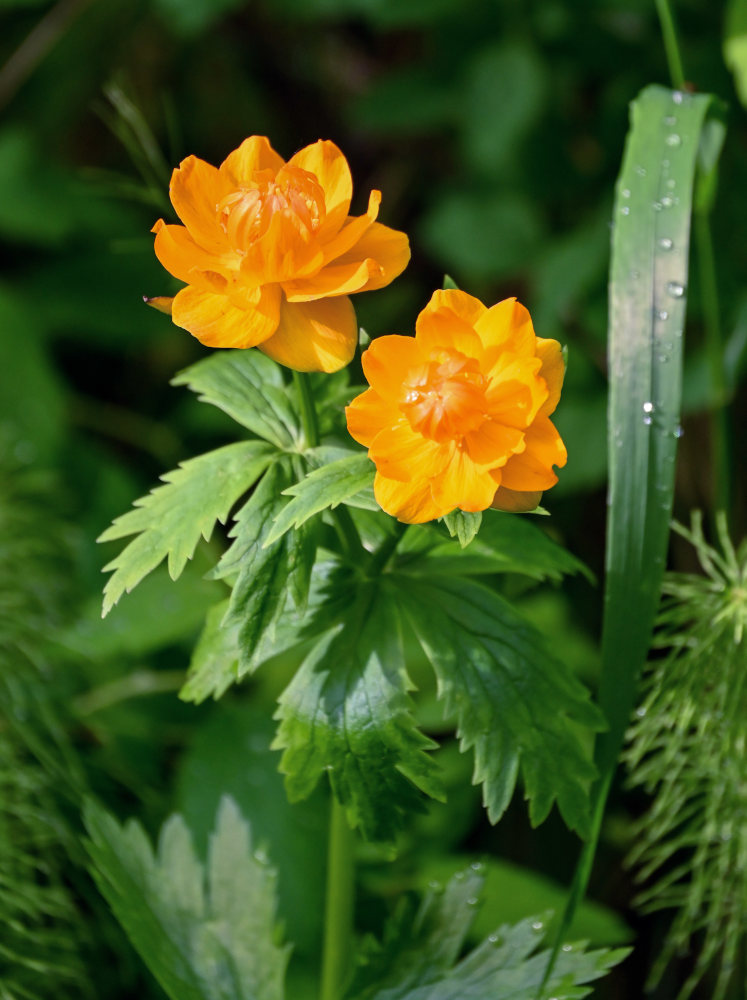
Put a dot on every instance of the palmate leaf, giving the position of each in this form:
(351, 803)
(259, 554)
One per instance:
(517, 706)
(418, 957)
(205, 934)
(463, 526)
(347, 713)
(248, 387)
(323, 488)
(505, 544)
(170, 521)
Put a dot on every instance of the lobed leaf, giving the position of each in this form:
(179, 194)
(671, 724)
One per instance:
(463, 526)
(249, 388)
(170, 521)
(418, 957)
(347, 713)
(516, 705)
(327, 486)
(205, 933)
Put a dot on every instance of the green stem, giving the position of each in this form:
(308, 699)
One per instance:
(384, 552)
(308, 410)
(338, 911)
(671, 45)
(715, 354)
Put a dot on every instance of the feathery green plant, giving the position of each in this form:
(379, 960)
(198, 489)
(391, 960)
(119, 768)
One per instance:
(688, 747)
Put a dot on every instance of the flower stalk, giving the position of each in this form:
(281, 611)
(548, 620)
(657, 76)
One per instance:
(338, 911)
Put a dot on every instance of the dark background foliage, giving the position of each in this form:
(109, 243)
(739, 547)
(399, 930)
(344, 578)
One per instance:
(495, 131)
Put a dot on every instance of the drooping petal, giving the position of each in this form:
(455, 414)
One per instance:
(410, 502)
(367, 414)
(492, 444)
(532, 469)
(353, 230)
(335, 279)
(187, 261)
(391, 362)
(316, 336)
(195, 190)
(329, 166)
(514, 501)
(389, 248)
(506, 326)
(161, 303)
(463, 484)
(402, 453)
(254, 153)
(215, 322)
(552, 371)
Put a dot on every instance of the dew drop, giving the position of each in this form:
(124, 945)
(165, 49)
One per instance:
(494, 938)
(640, 712)
(673, 139)
(625, 210)
(434, 886)
(459, 876)
(473, 901)
(656, 206)
(665, 243)
(537, 925)
(670, 120)
(671, 183)
(662, 314)
(648, 407)
(678, 97)
(675, 289)
(678, 432)
(567, 947)
(667, 201)
(641, 171)
(625, 192)
(477, 866)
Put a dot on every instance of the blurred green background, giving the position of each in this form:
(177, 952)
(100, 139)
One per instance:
(494, 130)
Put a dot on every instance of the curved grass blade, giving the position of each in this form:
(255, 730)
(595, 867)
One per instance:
(648, 291)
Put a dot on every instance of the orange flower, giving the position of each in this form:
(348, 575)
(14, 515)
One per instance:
(458, 416)
(270, 254)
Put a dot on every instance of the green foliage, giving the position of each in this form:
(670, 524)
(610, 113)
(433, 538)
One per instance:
(735, 45)
(516, 705)
(347, 713)
(205, 932)
(463, 526)
(323, 488)
(421, 955)
(171, 519)
(687, 749)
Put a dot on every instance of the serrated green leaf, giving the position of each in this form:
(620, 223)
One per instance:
(505, 544)
(416, 960)
(170, 521)
(204, 934)
(260, 590)
(516, 705)
(330, 452)
(463, 526)
(326, 487)
(347, 713)
(213, 667)
(249, 387)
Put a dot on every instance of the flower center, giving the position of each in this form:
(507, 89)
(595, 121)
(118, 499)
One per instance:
(447, 400)
(294, 197)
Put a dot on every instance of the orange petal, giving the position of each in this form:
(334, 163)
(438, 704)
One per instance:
(254, 153)
(465, 306)
(391, 361)
(515, 393)
(506, 326)
(162, 303)
(492, 444)
(439, 328)
(329, 166)
(316, 336)
(463, 484)
(515, 501)
(552, 371)
(532, 469)
(401, 453)
(410, 502)
(335, 279)
(215, 322)
(352, 231)
(187, 261)
(280, 255)
(390, 250)
(196, 188)
(367, 414)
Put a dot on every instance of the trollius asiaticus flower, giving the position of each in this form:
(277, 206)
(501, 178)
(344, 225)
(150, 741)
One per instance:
(459, 415)
(270, 255)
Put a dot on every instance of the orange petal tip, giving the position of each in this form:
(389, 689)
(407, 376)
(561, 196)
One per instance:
(162, 303)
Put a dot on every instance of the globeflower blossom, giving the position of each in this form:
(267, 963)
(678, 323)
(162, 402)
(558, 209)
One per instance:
(459, 415)
(270, 255)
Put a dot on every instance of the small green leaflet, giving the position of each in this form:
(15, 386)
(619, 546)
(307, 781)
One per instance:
(463, 526)
(171, 519)
(248, 387)
(215, 660)
(516, 705)
(418, 959)
(347, 713)
(325, 487)
(205, 933)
